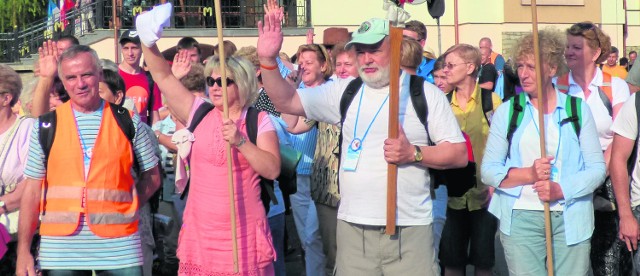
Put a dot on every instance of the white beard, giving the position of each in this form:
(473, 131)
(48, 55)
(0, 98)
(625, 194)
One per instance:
(377, 80)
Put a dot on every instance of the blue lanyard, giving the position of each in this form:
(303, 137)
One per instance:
(355, 128)
(553, 162)
(85, 149)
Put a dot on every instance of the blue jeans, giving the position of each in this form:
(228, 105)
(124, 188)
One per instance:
(128, 271)
(276, 223)
(525, 248)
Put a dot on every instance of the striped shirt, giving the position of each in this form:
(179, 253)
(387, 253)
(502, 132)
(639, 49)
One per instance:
(83, 250)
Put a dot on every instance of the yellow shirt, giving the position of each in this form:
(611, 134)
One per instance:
(473, 122)
(615, 71)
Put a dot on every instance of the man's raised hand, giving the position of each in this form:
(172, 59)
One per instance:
(48, 60)
(270, 33)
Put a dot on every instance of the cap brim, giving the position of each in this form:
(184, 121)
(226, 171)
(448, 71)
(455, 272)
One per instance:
(366, 39)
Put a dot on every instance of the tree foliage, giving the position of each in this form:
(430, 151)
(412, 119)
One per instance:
(19, 13)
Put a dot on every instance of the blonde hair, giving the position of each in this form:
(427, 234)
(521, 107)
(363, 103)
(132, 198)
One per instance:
(552, 46)
(467, 53)
(594, 36)
(410, 53)
(323, 57)
(242, 72)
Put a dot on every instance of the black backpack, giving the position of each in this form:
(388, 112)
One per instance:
(487, 103)
(464, 178)
(267, 193)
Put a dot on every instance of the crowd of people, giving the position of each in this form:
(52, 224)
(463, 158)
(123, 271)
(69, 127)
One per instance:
(90, 147)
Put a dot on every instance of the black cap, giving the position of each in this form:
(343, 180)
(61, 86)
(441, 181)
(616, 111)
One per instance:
(130, 36)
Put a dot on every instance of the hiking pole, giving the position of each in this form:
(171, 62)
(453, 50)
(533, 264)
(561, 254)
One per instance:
(225, 105)
(395, 38)
(541, 112)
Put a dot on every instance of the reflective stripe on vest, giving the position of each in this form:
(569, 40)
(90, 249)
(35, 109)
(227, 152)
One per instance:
(111, 199)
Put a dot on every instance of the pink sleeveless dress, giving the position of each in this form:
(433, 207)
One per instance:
(205, 243)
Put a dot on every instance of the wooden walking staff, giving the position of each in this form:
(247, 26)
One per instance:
(225, 106)
(395, 37)
(541, 112)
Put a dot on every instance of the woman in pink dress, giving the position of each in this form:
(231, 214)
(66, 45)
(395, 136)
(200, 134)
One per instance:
(205, 243)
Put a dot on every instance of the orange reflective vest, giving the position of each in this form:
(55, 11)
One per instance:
(563, 85)
(494, 55)
(111, 202)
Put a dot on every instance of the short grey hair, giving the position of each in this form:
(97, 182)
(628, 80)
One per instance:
(74, 51)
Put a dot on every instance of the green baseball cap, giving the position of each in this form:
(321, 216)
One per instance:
(370, 32)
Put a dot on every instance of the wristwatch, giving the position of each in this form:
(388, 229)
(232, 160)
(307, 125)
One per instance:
(242, 141)
(417, 155)
(4, 207)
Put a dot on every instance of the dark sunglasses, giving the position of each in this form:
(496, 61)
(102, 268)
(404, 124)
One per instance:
(589, 27)
(211, 81)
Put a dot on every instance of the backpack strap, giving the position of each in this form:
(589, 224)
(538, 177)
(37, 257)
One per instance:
(46, 133)
(267, 192)
(573, 107)
(518, 102)
(633, 158)
(606, 93)
(123, 118)
(486, 97)
(347, 97)
(200, 113)
(562, 83)
(150, 99)
(419, 102)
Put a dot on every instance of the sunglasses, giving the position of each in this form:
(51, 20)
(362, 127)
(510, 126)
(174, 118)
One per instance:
(450, 66)
(211, 81)
(589, 27)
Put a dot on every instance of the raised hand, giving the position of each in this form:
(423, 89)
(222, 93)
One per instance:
(181, 64)
(310, 35)
(48, 60)
(270, 33)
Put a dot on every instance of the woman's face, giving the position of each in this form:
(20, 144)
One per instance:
(215, 91)
(346, 65)
(54, 101)
(456, 69)
(312, 71)
(526, 68)
(578, 53)
(106, 93)
(440, 80)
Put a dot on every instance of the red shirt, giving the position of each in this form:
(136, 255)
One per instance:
(137, 89)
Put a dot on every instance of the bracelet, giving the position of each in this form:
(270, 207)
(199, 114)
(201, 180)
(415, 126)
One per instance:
(242, 141)
(265, 67)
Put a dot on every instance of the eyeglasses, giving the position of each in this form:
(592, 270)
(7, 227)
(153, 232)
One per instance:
(211, 81)
(589, 27)
(451, 65)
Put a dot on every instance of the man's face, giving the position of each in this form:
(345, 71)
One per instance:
(81, 77)
(373, 63)
(131, 54)
(485, 44)
(632, 57)
(63, 45)
(193, 54)
(414, 35)
(612, 59)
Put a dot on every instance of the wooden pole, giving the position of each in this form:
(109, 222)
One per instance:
(541, 111)
(455, 22)
(114, 19)
(395, 38)
(225, 106)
